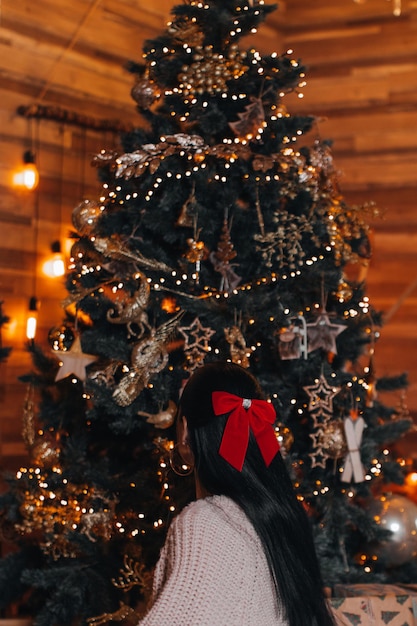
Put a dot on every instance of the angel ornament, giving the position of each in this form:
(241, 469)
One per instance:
(238, 350)
(132, 310)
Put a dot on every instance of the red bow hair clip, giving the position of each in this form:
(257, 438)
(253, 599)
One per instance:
(246, 415)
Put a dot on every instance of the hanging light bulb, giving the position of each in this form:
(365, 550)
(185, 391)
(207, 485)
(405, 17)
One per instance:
(28, 175)
(55, 266)
(32, 318)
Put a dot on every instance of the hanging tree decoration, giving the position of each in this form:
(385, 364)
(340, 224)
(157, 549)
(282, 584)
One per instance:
(149, 356)
(354, 425)
(333, 439)
(85, 216)
(145, 91)
(320, 406)
(197, 343)
(251, 121)
(322, 333)
(73, 361)
(210, 71)
(164, 419)
(114, 248)
(134, 573)
(239, 352)
(197, 251)
(293, 339)
(221, 259)
(189, 211)
(132, 310)
(283, 247)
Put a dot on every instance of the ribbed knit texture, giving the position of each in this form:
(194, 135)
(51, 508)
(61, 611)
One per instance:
(212, 571)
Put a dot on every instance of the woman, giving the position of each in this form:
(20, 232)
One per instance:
(242, 554)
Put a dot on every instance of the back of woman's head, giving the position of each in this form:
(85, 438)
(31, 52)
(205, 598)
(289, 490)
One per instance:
(262, 489)
(206, 429)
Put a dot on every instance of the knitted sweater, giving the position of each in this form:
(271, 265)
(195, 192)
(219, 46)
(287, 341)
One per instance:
(212, 571)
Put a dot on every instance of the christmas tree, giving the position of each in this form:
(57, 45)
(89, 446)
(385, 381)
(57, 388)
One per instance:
(221, 233)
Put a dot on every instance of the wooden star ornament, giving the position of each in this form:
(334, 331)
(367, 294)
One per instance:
(322, 333)
(73, 361)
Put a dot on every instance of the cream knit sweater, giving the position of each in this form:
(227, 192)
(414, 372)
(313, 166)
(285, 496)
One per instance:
(212, 571)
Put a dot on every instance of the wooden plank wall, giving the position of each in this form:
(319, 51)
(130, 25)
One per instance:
(362, 86)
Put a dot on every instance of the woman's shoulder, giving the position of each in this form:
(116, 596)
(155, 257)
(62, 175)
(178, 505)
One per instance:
(213, 512)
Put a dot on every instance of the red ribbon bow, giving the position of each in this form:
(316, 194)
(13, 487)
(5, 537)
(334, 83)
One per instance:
(245, 415)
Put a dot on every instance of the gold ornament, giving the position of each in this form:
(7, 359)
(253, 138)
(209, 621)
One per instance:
(344, 291)
(197, 343)
(145, 92)
(188, 213)
(85, 217)
(239, 353)
(210, 71)
(124, 612)
(149, 356)
(196, 253)
(284, 245)
(221, 260)
(131, 310)
(133, 574)
(333, 440)
(57, 512)
(45, 453)
(163, 419)
(114, 248)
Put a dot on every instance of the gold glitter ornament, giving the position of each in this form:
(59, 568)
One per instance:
(344, 291)
(85, 216)
(163, 419)
(333, 439)
(210, 71)
(239, 352)
(144, 92)
(46, 453)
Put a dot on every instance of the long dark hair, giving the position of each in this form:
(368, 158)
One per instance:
(265, 494)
